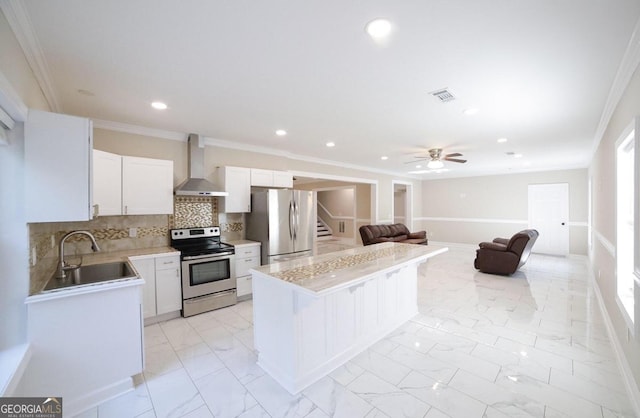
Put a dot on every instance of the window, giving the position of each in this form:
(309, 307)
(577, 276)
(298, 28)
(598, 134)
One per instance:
(625, 197)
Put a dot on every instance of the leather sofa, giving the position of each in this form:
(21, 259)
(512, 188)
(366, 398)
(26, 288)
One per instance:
(505, 256)
(374, 234)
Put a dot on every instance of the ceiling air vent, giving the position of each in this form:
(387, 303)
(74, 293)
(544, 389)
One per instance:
(443, 95)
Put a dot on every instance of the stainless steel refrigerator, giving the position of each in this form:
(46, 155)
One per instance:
(284, 222)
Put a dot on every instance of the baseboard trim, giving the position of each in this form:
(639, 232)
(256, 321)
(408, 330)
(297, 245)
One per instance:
(621, 360)
(14, 361)
(94, 398)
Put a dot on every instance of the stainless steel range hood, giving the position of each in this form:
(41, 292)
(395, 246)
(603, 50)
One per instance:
(196, 185)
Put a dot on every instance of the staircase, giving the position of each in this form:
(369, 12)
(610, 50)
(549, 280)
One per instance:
(323, 229)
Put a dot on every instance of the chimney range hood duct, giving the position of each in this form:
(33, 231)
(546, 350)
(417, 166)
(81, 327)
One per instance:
(196, 185)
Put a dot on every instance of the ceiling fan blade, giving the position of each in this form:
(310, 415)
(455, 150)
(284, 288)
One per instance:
(455, 160)
(455, 154)
(417, 161)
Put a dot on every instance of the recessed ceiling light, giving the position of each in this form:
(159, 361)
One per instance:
(379, 28)
(384, 157)
(502, 140)
(418, 166)
(330, 144)
(159, 105)
(471, 111)
(517, 155)
(281, 132)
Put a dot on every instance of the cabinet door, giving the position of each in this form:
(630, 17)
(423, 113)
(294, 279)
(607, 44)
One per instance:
(168, 286)
(58, 167)
(147, 186)
(146, 267)
(237, 182)
(107, 183)
(261, 178)
(282, 179)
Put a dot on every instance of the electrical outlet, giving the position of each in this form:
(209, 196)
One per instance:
(133, 232)
(53, 241)
(33, 256)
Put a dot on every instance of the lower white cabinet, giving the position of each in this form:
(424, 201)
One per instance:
(162, 292)
(247, 257)
(86, 344)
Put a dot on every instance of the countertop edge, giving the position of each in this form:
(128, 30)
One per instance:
(86, 289)
(356, 281)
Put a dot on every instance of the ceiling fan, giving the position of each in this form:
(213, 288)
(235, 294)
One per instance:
(435, 158)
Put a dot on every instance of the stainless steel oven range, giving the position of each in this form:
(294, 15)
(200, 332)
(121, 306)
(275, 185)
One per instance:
(208, 276)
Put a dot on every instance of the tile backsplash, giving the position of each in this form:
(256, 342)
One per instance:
(116, 233)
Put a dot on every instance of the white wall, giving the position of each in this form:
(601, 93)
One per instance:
(476, 209)
(602, 172)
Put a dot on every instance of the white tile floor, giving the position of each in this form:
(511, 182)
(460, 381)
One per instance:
(530, 345)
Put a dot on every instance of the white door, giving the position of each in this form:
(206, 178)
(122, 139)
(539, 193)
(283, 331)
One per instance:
(549, 215)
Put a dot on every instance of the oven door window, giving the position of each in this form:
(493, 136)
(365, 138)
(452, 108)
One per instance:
(209, 272)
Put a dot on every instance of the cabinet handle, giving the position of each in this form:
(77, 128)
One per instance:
(247, 260)
(126, 209)
(167, 262)
(96, 210)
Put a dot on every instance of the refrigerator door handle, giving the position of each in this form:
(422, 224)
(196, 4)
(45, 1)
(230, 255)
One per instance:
(291, 220)
(296, 219)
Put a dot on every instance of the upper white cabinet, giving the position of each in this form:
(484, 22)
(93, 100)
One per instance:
(131, 185)
(147, 186)
(107, 183)
(237, 182)
(58, 167)
(270, 178)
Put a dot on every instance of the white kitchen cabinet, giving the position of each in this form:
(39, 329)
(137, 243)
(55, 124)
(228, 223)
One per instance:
(237, 182)
(247, 257)
(87, 343)
(162, 293)
(58, 167)
(131, 185)
(168, 285)
(107, 183)
(270, 178)
(147, 186)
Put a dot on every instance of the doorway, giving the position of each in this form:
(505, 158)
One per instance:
(402, 198)
(549, 215)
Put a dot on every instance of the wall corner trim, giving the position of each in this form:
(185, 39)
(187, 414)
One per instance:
(13, 361)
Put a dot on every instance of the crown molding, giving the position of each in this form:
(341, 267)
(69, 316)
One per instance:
(20, 23)
(223, 143)
(628, 65)
(139, 130)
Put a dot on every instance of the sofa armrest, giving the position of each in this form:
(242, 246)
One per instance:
(503, 241)
(419, 234)
(495, 246)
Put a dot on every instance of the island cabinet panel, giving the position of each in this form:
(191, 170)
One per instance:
(301, 337)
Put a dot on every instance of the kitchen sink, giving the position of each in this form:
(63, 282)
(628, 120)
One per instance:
(93, 273)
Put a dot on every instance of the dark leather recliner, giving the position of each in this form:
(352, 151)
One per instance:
(505, 256)
(374, 234)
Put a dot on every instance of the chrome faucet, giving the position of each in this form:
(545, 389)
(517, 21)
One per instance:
(63, 266)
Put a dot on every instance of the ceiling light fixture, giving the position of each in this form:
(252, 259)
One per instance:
(517, 155)
(434, 164)
(384, 157)
(502, 140)
(378, 28)
(471, 111)
(330, 144)
(281, 132)
(159, 105)
(418, 166)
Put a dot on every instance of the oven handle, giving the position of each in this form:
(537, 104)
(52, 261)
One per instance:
(200, 257)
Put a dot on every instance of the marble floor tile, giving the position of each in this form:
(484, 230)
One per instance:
(531, 345)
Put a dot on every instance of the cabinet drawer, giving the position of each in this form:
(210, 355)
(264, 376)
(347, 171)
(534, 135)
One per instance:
(167, 262)
(244, 264)
(247, 251)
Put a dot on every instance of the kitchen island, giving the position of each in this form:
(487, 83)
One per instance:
(312, 315)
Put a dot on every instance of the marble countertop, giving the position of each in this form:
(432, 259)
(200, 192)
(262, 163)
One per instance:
(333, 271)
(242, 242)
